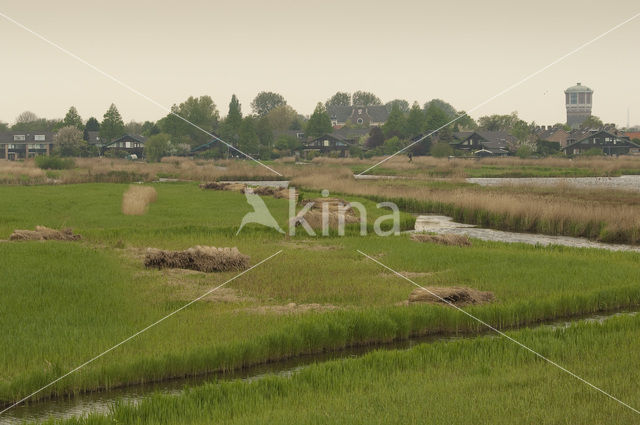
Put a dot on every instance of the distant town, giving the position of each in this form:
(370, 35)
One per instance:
(355, 124)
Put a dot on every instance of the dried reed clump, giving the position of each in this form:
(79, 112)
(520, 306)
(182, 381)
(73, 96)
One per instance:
(456, 295)
(202, 258)
(136, 200)
(233, 187)
(44, 234)
(446, 239)
(314, 215)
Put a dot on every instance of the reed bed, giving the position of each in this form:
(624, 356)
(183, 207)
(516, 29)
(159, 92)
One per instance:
(608, 216)
(136, 200)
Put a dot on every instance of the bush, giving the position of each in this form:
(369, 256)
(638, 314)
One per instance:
(441, 150)
(524, 151)
(54, 163)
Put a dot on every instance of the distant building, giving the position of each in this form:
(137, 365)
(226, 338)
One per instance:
(18, 145)
(608, 143)
(367, 116)
(483, 143)
(132, 144)
(555, 135)
(578, 100)
(338, 142)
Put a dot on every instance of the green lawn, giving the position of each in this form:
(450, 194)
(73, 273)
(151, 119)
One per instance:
(63, 303)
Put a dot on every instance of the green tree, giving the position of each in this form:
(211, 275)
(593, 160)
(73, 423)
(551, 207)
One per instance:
(265, 101)
(402, 104)
(191, 121)
(112, 125)
(319, 123)
(73, 118)
(376, 138)
(4, 127)
(524, 151)
(441, 150)
(592, 122)
(392, 145)
(234, 117)
(149, 129)
(265, 133)
(445, 107)
(249, 141)
(498, 122)
(91, 125)
(435, 118)
(363, 98)
(157, 146)
(416, 121)
(281, 117)
(396, 124)
(339, 99)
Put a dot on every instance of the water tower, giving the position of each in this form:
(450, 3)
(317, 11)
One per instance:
(578, 100)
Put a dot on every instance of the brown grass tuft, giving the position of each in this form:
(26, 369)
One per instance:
(136, 200)
(202, 258)
(456, 295)
(448, 239)
(44, 234)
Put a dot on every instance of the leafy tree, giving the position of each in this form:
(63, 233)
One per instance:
(524, 151)
(464, 123)
(392, 145)
(265, 101)
(249, 141)
(149, 129)
(157, 146)
(396, 124)
(68, 142)
(281, 117)
(287, 143)
(73, 118)
(592, 122)
(376, 138)
(201, 117)
(319, 123)
(265, 134)
(363, 98)
(91, 125)
(441, 150)
(4, 127)
(435, 118)
(445, 107)
(339, 99)
(402, 104)
(499, 122)
(112, 125)
(29, 122)
(416, 121)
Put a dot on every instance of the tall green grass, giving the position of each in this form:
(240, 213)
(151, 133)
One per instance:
(485, 380)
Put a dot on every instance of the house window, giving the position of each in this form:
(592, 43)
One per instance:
(325, 143)
(39, 137)
(360, 120)
(18, 138)
(574, 98)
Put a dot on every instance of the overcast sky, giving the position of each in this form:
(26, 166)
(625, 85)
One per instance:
(463, 52)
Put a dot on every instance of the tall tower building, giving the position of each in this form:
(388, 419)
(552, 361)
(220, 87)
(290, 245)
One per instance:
(578, 100)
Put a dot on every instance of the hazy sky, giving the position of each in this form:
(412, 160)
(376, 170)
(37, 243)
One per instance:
(463, 52)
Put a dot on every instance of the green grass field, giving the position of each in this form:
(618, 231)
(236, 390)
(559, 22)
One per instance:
(484, 380)
(65, 302)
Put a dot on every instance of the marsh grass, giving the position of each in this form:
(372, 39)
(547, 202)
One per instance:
(482, 380)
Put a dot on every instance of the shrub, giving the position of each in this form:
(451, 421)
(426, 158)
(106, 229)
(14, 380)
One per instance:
(54, 163)
(441, 150)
